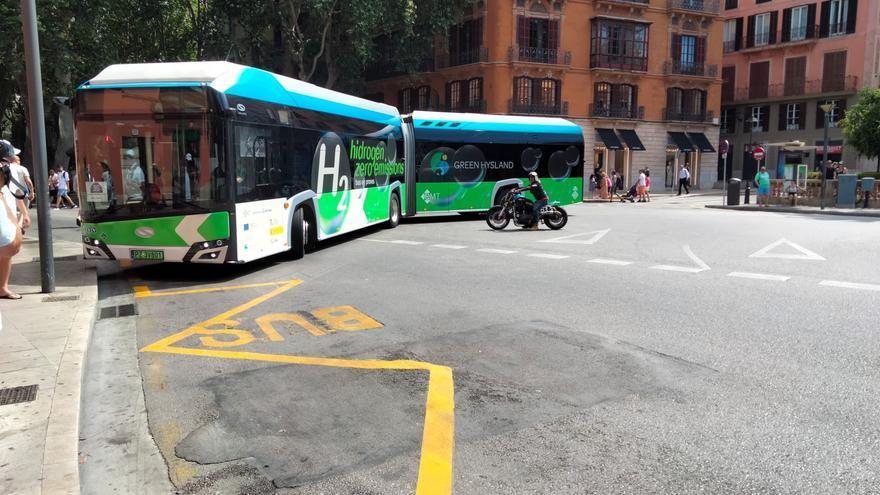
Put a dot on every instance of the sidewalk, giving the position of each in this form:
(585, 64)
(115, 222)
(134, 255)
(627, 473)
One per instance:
(43, 342)
(661, 195)
(807, 210)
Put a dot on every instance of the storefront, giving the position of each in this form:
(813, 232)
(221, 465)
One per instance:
(685, 150)
(614, 152)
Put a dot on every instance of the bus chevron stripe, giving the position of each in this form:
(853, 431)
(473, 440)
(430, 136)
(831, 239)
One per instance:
(188, 229)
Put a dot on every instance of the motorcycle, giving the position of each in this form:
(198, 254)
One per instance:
(514, 206)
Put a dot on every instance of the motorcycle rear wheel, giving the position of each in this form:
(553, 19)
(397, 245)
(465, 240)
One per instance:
(496, 218)
(558, 220)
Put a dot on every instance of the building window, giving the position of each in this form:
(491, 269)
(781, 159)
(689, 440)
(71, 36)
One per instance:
(424, 98)
(729, 43)
(795, 76)
(465, 42)
(685, 104)
(834, 115)
(834, 71)
(537, 39)
(730, 4)
(728, 83)
(759, 79)
(728, 120)
(798, 29)
(615, 100)
(475, 93)
(838, 17)
(759, 118)
(793, 114)
(619, 45)
(540, 96)
(762, 30)
(453, 95)
(405, 100)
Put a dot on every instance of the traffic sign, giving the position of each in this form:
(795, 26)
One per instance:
(758, 153)
(725, 146)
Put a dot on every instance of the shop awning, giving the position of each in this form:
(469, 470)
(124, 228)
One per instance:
(700, 141)
(631, 139)
(682, 141)
(612, 142)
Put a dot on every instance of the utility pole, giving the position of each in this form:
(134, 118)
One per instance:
(38, 141)
(827, 107)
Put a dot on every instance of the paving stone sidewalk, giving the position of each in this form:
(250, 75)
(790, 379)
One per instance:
(43, 342)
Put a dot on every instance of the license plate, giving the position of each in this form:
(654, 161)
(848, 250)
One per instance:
(147, 254)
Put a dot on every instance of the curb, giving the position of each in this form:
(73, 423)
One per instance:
(60, 470)
(776, 209)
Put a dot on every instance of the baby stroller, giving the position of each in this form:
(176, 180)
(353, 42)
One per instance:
(630, 195)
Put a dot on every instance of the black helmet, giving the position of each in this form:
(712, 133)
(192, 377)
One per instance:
(6, 150)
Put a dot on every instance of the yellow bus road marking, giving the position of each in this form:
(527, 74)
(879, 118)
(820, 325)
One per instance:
(144, 291)
(438, 434)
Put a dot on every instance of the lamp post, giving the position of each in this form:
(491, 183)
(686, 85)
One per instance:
(827, 108)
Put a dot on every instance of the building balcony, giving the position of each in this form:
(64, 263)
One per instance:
(690, 68)
(517, 107)
(463, 57)
(601, 111)
(698, 6)
(538, 55)
(629, 3)
(796, 35)
(618, 62)
(478, 106)
(794, 89)
(678, 116)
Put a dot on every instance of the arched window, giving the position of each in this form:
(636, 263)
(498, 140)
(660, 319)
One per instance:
(674, 100)
(602, 98)
(522, 90)
(453, 95)
(475, 92)
(424, 97)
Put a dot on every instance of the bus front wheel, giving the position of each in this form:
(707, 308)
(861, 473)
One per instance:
(299, 235)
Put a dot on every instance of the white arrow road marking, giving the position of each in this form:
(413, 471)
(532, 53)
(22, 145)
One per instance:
(408, 243)
(188, 229)
(597, 234)
(603, 261)
(496, 251)
(448, 246)
(806, 254)
(548, 256)
(759, 276)
(850, 285)
(674, 268)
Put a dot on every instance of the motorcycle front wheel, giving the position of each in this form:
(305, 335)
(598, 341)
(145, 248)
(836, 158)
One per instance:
(497, 218)
(557, 220)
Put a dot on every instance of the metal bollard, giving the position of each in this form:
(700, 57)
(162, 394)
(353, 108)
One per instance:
(748, 193)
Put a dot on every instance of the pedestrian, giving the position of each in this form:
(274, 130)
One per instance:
(63, 188)
(762, 179)
(684, 177)
(640, 189)
(616, 185)
(602, 184)
(648, 185)
(10, 224)
(592, 185)
(20, 186)
(53, 186)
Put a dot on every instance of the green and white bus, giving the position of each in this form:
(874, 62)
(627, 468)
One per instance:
(213, 162)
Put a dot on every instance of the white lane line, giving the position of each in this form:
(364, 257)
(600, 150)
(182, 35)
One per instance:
(850, 285)
(548, 256)
(672, 268)
(408, 243)
(759, 276)
(448, 246)
(597, 234)
(496, 251)
(603, 261)
(375, 240)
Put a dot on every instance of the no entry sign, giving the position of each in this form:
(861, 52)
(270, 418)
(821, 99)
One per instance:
(758, 153)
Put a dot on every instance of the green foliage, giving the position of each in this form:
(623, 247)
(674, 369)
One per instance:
(814, 175)
(875, 175)
(861, 126)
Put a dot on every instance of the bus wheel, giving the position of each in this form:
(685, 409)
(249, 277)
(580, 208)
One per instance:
(298, 235)
(393, 211)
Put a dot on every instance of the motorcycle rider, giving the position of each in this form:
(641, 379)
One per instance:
(541, 198)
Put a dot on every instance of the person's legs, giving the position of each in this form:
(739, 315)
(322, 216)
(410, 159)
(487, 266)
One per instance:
(686, 189)
(680, 182)
(536, 212)
(5, 272)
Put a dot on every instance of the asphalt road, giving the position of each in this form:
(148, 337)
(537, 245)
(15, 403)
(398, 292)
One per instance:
(645, 348)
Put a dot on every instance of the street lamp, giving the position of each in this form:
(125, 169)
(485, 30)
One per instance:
(827, 108)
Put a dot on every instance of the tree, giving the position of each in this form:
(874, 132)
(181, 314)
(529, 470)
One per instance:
(861, 125)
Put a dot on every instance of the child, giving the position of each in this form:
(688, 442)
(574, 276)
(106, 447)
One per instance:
(793, 191)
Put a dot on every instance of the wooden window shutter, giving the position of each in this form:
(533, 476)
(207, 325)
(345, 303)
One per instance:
(841, 105)
(728, 83)
(783, 116)
(750, 32)
(765, 118)
(635, 99)
(670, 100)
(737, 43)
(820, 115)
(553, 34)
(700, 50)
(463, 92)
(687, 101)
(824, 19)
(747, 120)
(449, 96)
(834, 71)
(851, 16)
(522, 31)
(785, 35)
(802, 120)
(811, 20)
(759, 79)
(774, 20)
(676, 46)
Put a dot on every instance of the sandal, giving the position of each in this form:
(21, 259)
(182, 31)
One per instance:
(11, 295)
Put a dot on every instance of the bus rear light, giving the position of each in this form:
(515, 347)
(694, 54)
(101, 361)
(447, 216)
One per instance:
(286, 205)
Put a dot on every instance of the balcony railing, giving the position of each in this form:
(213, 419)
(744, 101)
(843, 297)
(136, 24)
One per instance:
(464, 57)
(729, 46)
(600, 110)
(560, 108)
(678, 116)
(705, 6)
(837, 29)
(641, 2)
(690, 68)
(606, 61)
(478, 106)
(795, 34)
(539, 55)
(814, 87)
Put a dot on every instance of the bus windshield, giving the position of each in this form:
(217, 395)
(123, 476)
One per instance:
(148, 152)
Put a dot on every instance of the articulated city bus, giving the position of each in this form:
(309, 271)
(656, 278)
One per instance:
(213, 162)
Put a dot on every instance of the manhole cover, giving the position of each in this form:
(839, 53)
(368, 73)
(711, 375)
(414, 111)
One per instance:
(117, 311)
(74, 297)
(17, 395)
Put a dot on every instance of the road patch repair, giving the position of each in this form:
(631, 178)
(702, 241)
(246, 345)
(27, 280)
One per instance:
(351, 424)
